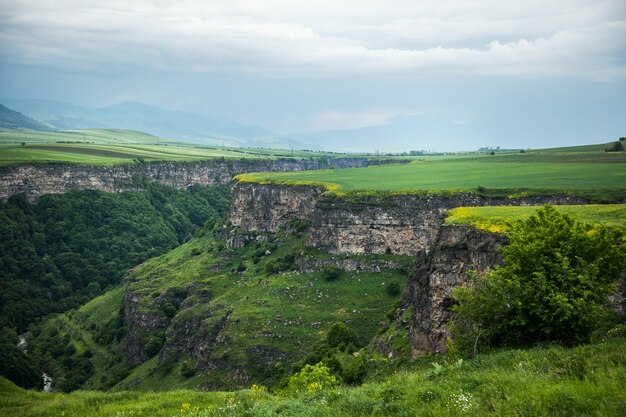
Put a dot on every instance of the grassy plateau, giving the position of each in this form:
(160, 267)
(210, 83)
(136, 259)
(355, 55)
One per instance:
(497, 218)
(585, 171)
(117, 146)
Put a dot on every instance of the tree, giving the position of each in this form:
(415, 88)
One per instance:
(340, 335)
(616, 147)
(554, 285)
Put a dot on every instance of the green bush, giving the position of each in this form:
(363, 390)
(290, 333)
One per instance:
(340, 335)
(188, 369)
(553, 286)
(616, 147)
(331, 273)
(310, 380)
(154, 344)
(393, 289)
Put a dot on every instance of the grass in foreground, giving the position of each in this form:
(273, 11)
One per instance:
(497, 218)
(550, 381)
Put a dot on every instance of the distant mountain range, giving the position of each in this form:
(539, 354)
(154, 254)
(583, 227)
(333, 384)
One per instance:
(13, 120)
(187, 127)
(428, 131)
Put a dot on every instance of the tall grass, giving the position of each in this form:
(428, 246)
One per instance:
(547, 381)
(497, 218)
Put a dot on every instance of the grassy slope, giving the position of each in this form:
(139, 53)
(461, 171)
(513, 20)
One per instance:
(495, 219)
(285, 312)
(585, 171)
(115, 146)
(551, 381)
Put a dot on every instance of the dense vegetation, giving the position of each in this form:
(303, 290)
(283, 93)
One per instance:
(546, 381)
(589, 172)
(553, 286)
(498, 219)
(263, 317)
(66, 249)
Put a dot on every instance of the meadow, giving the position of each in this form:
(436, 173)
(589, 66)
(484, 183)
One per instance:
(117, 146)
(544, 381)
(498, 218)
(584, 171)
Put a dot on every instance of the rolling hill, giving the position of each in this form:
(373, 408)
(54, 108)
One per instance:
(13, 120)
(179, 125)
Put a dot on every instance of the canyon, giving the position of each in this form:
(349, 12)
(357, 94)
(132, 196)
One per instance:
(35, 180)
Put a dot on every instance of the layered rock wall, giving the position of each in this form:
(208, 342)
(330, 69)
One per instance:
(35, 180)
(458, 250)
(393, 224)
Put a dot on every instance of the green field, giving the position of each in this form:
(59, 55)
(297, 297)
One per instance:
(497, 218)
(549, 381)
(116, 146)
(585, 171)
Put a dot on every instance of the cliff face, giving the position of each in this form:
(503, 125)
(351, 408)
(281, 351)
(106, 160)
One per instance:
(35, 180)
(394, 224)
(458, 250)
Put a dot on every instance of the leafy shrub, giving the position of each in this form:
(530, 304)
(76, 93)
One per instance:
(554, 286)
(298, 225)
(393, 289)
(340, 335)
(188, 369)
(331, 273)
(154, 344)
(169, 309)
(284, 263)
(616, 147)
(353, 370)
(311, 379)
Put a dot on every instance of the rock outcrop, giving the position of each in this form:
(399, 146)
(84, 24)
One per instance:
(35, 180)
(392, 224)
(458, 250)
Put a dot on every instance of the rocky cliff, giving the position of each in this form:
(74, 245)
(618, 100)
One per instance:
(392, 224)
(427, 298)
(35, 180)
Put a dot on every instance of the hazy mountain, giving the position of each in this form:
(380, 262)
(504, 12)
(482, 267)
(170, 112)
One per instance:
(156, 121)
(13, 120)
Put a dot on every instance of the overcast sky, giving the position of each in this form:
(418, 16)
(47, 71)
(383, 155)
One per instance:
(550, 71)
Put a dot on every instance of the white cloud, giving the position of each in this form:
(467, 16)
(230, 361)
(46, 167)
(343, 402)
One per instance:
(583, 38)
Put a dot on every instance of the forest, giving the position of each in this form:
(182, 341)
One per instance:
(64, 250)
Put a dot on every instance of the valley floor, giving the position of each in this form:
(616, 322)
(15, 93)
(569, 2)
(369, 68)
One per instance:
(548, 381)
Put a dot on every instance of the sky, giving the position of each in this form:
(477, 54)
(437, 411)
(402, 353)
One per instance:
(536, 73)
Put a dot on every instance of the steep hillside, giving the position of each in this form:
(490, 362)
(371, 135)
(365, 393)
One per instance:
(13, 120)
(64, 250)
(222, 311)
